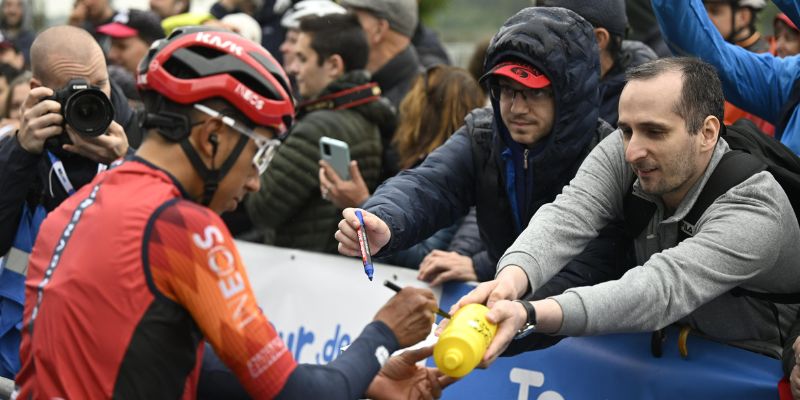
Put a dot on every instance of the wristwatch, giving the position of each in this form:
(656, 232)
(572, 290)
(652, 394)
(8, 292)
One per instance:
(530, 323)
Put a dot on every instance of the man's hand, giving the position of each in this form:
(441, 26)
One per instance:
(442, 266)
(377, 232)
(102, 149)
(340, 192)
(409, 314)
(402, 379)
(39, 120)
(794, 377)
(510, 284)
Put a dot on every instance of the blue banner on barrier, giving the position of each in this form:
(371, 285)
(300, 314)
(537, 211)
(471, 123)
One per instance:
(620, 367)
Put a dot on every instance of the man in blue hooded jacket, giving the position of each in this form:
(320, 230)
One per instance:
(509, 159)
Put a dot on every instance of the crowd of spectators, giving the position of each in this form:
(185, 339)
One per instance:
(513, 172)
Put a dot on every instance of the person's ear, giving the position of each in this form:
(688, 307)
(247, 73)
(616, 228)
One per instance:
(381, 29)
(710, 132)
(335, 66)
(603, 38)
(206, 137)
(34, 83)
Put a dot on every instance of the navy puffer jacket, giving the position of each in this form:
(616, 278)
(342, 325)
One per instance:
(481, 165)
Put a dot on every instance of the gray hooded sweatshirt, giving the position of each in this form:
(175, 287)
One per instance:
(748, 237)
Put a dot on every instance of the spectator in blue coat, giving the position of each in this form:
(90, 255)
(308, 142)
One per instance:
(763, 84)
(510, 158)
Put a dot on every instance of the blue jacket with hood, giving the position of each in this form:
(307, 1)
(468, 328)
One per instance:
(480, 165)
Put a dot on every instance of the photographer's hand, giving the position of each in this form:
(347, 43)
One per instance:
(104, 148)
(40, 120)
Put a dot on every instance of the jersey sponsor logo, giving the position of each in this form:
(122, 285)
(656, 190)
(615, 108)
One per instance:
(231, 283)
(216, 41)
(266, 357)
(250, 96)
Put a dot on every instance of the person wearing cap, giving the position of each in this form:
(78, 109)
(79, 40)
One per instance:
(131, 32)
(761, 84)
(787, 36)
(393, 61)
(389, 25)
(340, 103)
(669, 143)
(616, 55)
(510, 158)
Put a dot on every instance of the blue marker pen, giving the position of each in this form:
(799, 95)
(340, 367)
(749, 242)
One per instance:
(366, 258)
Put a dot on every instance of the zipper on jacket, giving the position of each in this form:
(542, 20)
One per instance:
(525, 159)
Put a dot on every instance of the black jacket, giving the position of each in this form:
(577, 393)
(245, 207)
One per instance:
(473, 166)
(632, 54)
(395, 79)
(25, 175)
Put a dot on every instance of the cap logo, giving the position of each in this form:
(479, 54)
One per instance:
(122, 17)
(520, 72)
(216, 41)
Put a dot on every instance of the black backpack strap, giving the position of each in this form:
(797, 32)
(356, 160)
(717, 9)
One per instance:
(734, 168)
(637, 212)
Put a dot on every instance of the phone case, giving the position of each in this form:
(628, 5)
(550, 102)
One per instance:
(337, 154)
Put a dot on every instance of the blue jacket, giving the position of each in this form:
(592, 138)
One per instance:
(759, 83)
(481, 166)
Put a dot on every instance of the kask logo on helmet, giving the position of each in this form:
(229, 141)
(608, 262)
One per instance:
(218, 42)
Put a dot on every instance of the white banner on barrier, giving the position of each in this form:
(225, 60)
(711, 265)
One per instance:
(318, 302)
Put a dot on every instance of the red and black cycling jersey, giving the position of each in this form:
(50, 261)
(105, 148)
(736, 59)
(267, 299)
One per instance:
(126, 280)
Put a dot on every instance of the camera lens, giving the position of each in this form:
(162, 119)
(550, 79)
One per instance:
(89, 112)
(326, 148)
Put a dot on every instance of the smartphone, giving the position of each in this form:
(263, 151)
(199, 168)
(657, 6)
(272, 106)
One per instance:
(337, 154)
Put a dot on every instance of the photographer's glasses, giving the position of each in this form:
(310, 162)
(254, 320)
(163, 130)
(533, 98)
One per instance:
(266, 147)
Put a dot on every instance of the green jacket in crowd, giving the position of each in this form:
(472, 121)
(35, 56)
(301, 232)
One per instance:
(289, 208)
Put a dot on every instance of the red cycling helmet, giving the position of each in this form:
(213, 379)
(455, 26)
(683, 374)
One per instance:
(213, 63)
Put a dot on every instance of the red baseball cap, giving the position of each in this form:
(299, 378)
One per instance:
(130, 23)
(783, 17)
(521, 73)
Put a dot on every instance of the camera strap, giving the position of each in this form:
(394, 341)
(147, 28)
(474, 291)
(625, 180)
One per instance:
(343, 99)
(61, 172)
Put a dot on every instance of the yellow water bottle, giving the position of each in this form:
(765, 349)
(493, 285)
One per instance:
(464, 341)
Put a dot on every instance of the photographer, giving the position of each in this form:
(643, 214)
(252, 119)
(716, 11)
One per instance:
(47, 159)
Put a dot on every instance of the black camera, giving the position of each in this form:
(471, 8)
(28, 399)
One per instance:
(85, 108)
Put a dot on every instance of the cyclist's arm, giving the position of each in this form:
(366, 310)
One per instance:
(195, 263)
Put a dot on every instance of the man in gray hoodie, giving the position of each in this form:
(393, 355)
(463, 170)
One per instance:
(667, 146)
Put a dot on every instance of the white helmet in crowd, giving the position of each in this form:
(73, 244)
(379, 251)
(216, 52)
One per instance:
(306, 8)
(754, 4)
